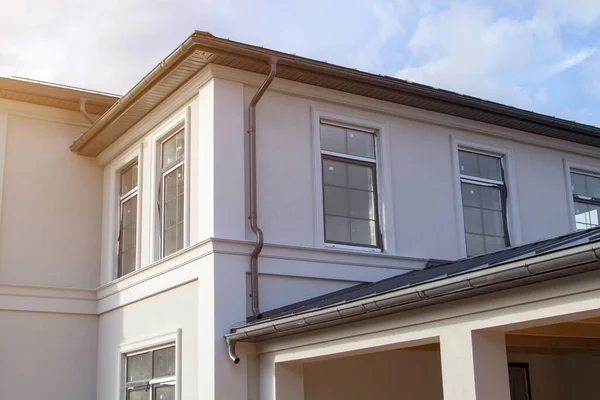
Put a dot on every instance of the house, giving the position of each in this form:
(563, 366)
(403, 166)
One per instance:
(367, 238)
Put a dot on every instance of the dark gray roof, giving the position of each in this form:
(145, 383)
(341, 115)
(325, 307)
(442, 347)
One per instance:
(439, 272)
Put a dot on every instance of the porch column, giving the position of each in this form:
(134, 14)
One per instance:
(474, 365)
(281, 381)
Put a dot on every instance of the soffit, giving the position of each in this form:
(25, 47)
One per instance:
(202, 48)
(56, 96)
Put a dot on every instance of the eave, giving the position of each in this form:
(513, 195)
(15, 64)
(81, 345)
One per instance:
(57, 96)
(202, 48)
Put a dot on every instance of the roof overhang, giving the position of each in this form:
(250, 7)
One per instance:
(57, 96)
(202, 48)
(560, 263)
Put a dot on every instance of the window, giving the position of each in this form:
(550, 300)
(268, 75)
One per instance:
(586, 200)
(128, 201)
(151, 375)
(350, 205)
(518, 377)
(484, 197)
(171, 193)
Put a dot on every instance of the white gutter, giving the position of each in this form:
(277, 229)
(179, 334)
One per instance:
(484, 280)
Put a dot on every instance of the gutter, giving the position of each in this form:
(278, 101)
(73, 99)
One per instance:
(492, 279)
(211, 45)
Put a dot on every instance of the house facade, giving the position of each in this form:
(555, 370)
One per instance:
(128, 227)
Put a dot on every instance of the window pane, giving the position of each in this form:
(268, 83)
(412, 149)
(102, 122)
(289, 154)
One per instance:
(586, 215)
(129, 179)
(475, 244)
(127, 262)
(139, 367)
(493, 223)
(140, 394)
(519, 383)
(363, 232)
(471, 195)
(491, 198)
(164, 393)
(468, 163)
(128, 236)
(334, 173)
(362, 204)
(479, 165)
(578, 184)
(164, 362)
(173, 149)
(593, 186)
(173, 211)
(493, 243)
(337, 229)
(361, 144)
(336, 201)
(473, 220)
(360, 177)
(489, 167)
(333, 138)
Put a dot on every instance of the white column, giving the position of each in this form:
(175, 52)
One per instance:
(281, 381)
(474, 365)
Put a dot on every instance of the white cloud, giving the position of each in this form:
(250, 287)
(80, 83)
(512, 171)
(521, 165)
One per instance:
(469, 49)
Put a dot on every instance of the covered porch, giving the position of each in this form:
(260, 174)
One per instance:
(527, 326)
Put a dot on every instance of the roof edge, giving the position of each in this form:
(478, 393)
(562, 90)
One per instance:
(206, 42)
(559, 263)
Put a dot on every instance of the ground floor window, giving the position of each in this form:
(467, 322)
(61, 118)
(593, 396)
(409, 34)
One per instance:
(151, 374)
(518, 376)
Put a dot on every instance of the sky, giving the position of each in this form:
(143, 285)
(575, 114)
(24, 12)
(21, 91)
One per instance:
(540, 55)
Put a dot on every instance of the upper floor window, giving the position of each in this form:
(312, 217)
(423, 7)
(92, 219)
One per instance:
(348, 161)
(586, 200)
(128, 201)
(151, 375)
(484, 197)
(171, 193)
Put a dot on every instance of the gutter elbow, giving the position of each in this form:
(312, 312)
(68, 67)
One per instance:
(231, 350)
(83, 111)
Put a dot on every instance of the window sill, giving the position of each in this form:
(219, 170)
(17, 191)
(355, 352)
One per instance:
(357, 249)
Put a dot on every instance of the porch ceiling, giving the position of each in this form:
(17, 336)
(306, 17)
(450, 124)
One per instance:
(564, 338)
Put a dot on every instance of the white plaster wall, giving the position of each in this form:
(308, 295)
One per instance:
(422, 178)
(47, 356)
(401, 374)
(579, 376)
(151, 317)
(409, 374)
(544, 376)
(51, 207)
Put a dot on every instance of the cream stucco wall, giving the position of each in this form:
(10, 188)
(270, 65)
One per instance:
(416, 375)
(147, 320)
(51, 207)
(47, 355)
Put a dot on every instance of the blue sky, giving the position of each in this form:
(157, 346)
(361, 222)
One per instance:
(540, 55)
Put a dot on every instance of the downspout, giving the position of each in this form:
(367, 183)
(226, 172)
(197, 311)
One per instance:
(253, 203)
(83, 110)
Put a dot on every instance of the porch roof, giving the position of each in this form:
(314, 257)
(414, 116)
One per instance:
(511, 267)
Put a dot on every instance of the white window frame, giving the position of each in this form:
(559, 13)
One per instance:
(579, 168)
(123, 198)
(382, 176)
(178, 122)
(150, 344)
(126, 160)
(512, 203)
